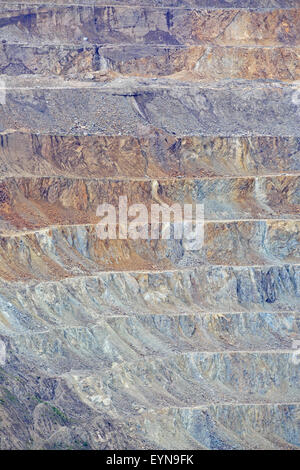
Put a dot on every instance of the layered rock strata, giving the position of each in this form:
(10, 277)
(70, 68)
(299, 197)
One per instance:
(144, 344)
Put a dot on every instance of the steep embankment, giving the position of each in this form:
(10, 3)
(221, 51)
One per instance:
(123, 344)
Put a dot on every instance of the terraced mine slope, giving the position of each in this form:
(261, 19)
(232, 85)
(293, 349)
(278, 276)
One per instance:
(130, 344)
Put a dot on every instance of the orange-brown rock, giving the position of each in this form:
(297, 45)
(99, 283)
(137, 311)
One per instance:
(153, 154)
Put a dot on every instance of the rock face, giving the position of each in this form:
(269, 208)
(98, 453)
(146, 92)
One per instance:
(144, 344)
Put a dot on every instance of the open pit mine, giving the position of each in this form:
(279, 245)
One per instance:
(142, 343)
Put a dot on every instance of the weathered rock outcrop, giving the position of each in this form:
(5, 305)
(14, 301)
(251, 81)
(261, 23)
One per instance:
(144, 344)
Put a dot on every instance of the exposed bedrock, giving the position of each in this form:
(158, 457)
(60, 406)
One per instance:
(71, 250)
(178, 62)
(31, 203)
(224, 427)
(147, 343)
(128, 106)
(153, 154)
